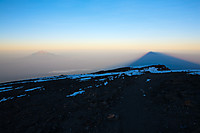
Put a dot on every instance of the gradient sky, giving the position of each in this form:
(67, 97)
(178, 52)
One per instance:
(100, 24)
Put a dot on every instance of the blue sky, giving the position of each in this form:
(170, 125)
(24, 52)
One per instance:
(98, 22)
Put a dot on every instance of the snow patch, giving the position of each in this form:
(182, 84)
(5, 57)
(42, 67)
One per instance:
(6, 90)
(22, 95)
(106, 83)
(5, 99)
(98, 85)
(111, 78)
(85, 79)
(75, 93)
(36, 88)
(151, 69)
(89, 87)
(3, 88)
(102, 79)
(148, 80)
(19, 87)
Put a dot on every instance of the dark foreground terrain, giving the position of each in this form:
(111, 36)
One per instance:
(106, 103)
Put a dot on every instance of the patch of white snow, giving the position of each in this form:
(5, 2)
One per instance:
(75, 93)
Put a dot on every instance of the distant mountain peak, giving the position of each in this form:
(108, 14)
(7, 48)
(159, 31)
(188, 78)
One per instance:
(152, 53)
(42, 52)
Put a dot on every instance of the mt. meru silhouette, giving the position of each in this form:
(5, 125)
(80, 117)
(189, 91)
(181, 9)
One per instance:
(155, 58)
(43, 53)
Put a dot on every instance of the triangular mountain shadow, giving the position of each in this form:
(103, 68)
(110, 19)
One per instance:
(154, 58)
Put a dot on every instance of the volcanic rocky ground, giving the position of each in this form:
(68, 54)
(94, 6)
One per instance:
(126, 100)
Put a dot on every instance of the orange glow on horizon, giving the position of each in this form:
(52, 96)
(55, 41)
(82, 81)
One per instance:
(99, 46)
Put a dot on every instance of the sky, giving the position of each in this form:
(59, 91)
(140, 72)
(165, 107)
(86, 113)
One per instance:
(149, 25)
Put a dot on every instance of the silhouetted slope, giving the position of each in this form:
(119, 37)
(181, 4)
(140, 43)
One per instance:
(159, 58)
(149, 99)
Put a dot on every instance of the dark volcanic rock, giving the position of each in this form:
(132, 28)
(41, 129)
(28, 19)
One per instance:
(165, 103)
